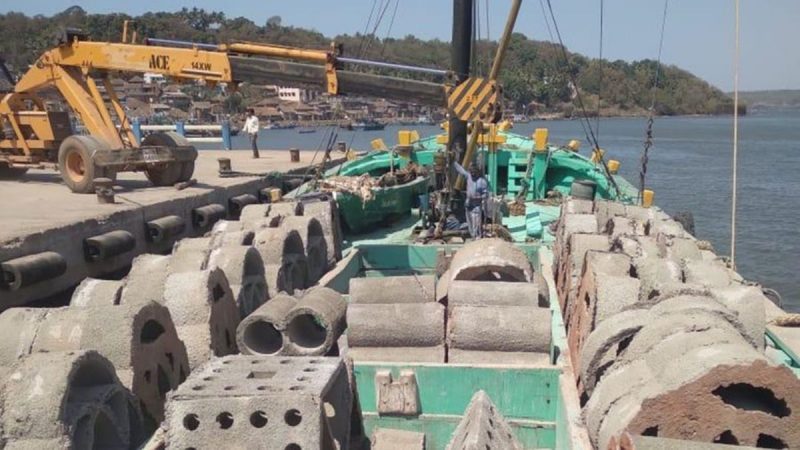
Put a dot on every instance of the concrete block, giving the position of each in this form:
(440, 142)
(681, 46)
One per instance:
(190, 254)
(749, 304)
(490, 260)
(606, 209)
(204, 312)
(623, 226)
(499, 329)
(483, 427)
(577, 206)
(656, 276)
(262, 332)
(414, 328)
(314, 244)
(262, 402)
(389, 439)
(284, 259)
(678, 249)
(145, 281)
(635, 442)
(94, 292)
(67, 400)
(327, 212)
(570, 267)
(395, 289)
(315, 322)
(244, 270)
(711, 274)
(492, 293)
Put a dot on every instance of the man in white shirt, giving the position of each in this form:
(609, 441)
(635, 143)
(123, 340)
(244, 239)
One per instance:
(251, 128)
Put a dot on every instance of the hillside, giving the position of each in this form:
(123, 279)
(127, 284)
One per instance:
(784, 98)
(535, 77)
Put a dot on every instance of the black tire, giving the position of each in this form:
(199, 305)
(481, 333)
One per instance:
(169, 174)
(76, 163)
(11, 173)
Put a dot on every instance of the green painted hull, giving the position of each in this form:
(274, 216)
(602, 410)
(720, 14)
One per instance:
(388, 203)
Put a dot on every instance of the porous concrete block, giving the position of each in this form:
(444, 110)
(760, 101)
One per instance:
(573, 205)
(395, 289)
(490, 259)
(204, 312)
(749, 303)
(571, 262)
(262, 402)
(623, 226)
(677, 248)
(391, 332)
(390, 439)
(94, 292)
(67, 400)
(283, 254)
(244, 270)
(315, 322)
(636, 442)
(656, 275)
(262, 332)
(145, 281)
(492, 293)
(327, 212)
(190, 254)
(314, 244)
(606, 209)
(482, 427)
(711, 274)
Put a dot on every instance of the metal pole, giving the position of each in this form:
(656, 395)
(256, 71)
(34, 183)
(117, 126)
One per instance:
(461, 60)
(503, 44)
(366, 62)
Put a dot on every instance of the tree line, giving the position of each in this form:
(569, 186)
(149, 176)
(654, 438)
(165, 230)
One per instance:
(538, 77)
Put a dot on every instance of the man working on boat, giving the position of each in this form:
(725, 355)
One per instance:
(251, 128)
(477, 192)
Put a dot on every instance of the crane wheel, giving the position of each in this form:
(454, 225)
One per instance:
(76, 163)
(11, 173)
(174, 172)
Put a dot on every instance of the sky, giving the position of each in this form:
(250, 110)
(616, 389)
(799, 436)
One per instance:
(699, 34)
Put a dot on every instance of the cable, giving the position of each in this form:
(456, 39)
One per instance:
(600, 66)
(735, 138)
(391, 23)
(366, 28)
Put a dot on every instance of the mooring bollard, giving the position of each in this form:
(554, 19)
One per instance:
(224, 165)
(104, 188)
(294, 154)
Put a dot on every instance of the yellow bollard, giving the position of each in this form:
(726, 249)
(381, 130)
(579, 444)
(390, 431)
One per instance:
(403, 137)
(613, 166)
(378, 144)
(597, 155)
(647, 198)
(540, 139)
(574, 145)
(275, 195)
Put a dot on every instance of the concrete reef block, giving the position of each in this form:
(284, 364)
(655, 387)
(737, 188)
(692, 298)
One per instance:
(146, 279)
(139, 339)
(389, 439)
(636, 442)
(624, 226)
(314, 244)
(108, 245)
(394, 332)
(315, 322)
(262, 402)
(570, 263)
(492, 293)
(245, 273)
(396, 289)
(204, 312)
(519, 330)
(749, 303)
(262, 332)
(490, 260)
(190, 254)
(31, 269)
(707, 273)
(327, 212)
(283, 253)
(483, 427)
(93, 292)
(577, 206)
(67, 400)
(657, 275)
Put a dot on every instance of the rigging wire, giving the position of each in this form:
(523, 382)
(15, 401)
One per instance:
(384, 7)
(590, 132)
(488, 40)
(546, 22)
(600, 66)
(366, 28)
(735, 137)
(648, 140)
(389, 30)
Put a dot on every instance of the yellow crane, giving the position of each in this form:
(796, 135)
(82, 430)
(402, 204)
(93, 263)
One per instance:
(35, 137)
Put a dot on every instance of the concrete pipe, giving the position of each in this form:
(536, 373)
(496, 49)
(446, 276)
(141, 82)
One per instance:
(68, 400)
(204, 312)
(400, 289)
(261, 333)
(205, 216)
(315, 323)
(492, 293)
(244, 270)
(93, 292)
(165, 229)
(31, 269)
(108, 245)
(510, 334)
(399, 332)
(314, 244)
(491, 260)
(236, 204)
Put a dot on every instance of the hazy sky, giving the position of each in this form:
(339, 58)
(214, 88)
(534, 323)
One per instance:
(699, 35)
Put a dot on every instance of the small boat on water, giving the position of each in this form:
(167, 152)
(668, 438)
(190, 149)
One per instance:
(279, 126)
(306, 130)
(364, 125)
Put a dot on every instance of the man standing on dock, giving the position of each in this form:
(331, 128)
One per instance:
(251, 128)
(477, 193)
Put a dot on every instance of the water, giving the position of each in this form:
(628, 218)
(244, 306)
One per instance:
(690, 170)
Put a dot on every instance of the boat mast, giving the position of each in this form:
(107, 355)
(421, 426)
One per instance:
(460, 62)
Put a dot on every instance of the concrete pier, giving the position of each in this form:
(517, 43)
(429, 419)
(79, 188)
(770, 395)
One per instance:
(48, 226)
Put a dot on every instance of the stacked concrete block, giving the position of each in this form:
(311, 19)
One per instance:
(267, 402)
(490, 260)
(284, 257)
(70, 399)
(667, 341)
(314, 243)
(492, 293)
(326, 211)
(140, 341)
(390, 439)
(398, 289)
(636, 442)
(308, 326)
(412, 332)
(94, 292)
(483, 427)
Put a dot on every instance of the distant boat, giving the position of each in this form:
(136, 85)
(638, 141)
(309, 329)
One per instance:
(279, 126)
(368, 125)
(306, 130)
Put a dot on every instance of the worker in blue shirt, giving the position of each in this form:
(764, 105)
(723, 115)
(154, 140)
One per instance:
(477, 193)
